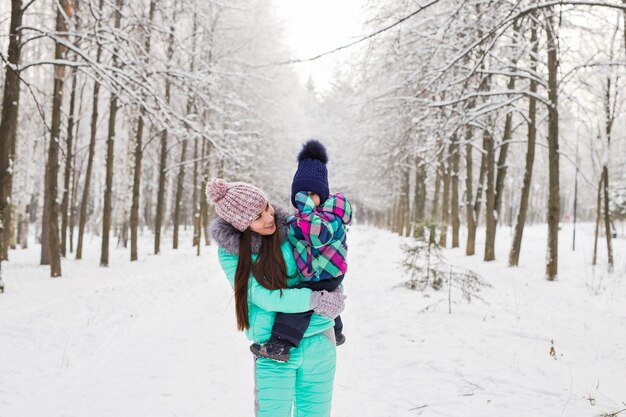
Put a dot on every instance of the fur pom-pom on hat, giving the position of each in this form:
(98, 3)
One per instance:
(216, 190)
(313, 149)
(311, 175)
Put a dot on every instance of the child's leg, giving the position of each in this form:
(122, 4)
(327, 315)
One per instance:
(338, 325)
(328, 285)
(290, 328)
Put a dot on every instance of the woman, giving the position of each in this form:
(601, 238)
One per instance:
(259, 264)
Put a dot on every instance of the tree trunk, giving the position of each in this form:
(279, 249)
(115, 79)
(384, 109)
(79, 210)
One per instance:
(610, 117)
(419, 199)
(160, 194)
(497, 193)
(502, 167)
(183, 156)
(490, 206)
(179, 192)
(506, 137)
(69, 161)
(401, 203)
(8, 217)
(607, 217)
(163, 160)
(138, 155)
(594, 259)
(435, 210)
(406, 209)
(530, 155)
(202, 198)
(122, 235)
(456, 221)
(445, 204)
(202, 217)
(474, 202)
(134, 210)
(205, 206)
(75, 179)
(196, 206)
(92, 149)
(553, 156)
(108, 189)
(469, 194)
(23, 228)
(471, 232)
(10, 107)
(51, 209)
(206, 219)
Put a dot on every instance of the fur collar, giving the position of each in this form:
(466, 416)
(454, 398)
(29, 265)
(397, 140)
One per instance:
(228, 237)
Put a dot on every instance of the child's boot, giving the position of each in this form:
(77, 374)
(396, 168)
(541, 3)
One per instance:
(275, 350)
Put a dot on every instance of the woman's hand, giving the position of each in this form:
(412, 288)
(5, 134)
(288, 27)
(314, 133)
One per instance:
(330, 304)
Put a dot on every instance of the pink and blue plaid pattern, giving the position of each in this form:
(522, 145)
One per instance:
(318, 236)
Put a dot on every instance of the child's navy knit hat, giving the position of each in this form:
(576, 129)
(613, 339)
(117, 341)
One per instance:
(311, 174)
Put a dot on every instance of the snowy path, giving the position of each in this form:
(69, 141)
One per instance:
(157, 338)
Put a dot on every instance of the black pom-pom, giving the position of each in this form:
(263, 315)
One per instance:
(313, 149)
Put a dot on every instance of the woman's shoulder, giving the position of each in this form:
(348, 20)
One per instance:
(225, 235)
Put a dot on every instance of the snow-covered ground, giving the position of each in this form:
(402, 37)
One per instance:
(157, 337)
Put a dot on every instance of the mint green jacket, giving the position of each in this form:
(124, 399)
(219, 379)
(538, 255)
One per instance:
(263, 303)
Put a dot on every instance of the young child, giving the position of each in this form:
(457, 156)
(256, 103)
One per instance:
(317, 232)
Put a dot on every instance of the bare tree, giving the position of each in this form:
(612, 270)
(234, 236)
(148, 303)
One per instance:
(92, 150)
(611, 94)
(183, 153)
(10, 108)
(490, 207)
(553, 153)
(108, 189)
(163, 160)
(454, 213)
(138, 154)
(50, 253)
(69, 161)
(445, 203)
(530, 153)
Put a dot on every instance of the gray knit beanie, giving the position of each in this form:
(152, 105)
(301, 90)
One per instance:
(238, 203)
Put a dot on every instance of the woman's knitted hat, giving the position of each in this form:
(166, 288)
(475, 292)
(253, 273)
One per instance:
(311, 174)
(238, 203)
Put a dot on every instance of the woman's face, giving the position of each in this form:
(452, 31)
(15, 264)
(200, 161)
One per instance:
(264, 223)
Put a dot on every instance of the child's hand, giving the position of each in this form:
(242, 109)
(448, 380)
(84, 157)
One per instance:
(338, 205)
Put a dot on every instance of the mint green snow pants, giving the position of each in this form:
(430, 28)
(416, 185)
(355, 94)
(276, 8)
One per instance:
(304, 383)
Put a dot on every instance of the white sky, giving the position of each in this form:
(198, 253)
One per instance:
(313, 27)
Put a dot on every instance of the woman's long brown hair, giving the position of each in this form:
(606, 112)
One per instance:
(269, 270)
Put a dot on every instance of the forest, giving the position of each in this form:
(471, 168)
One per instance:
(494, 113)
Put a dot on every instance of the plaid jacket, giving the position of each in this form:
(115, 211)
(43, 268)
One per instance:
(318, 236)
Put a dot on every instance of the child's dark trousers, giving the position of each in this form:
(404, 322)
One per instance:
(291, 327)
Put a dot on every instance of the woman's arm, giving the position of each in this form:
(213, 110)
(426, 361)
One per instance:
(292, 300)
